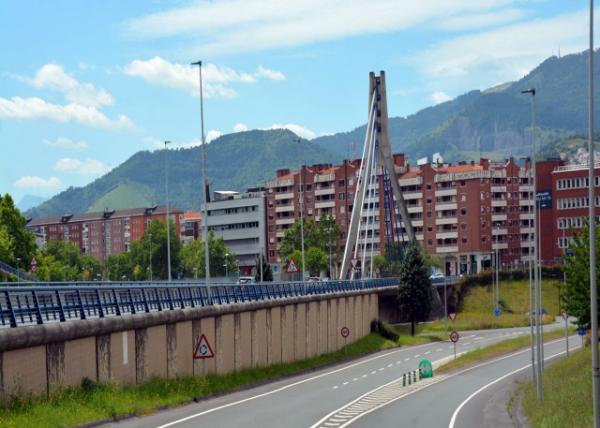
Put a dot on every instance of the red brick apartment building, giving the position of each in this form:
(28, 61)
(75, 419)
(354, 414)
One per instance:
(462, 213)
(101, 234)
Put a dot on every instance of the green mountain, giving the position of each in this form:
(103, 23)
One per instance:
(234, 162)
(494, 120)
(494, 123)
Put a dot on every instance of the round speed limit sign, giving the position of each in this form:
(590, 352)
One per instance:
(345, 332)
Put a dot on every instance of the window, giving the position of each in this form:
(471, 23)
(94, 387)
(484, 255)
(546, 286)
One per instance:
(463, 197)
(341, 183)
(463, 211)
(429, 242)
(341, 196)
(428, 186)
(463, 183)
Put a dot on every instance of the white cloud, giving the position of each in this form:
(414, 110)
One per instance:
(269, 74)
(482, 20)
(299, 130)
(213, 134)
(225, 26)
(440, 97)
(54, 77)
(65, 143)
(89, 166)
(216, 80)
(240, 127)
(508, 52)
(37, 108)
(35, 182)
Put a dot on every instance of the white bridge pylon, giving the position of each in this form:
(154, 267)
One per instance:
(377, 151)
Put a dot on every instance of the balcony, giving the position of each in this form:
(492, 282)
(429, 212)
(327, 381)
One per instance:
(501, 231)
(284, 208)
(498, 202)
(325, 191)
(321, 178)
(280, 196)
(289, 220)
(525, 202)
(499, 217)
(526, 216)
(445, 206)
(446, 192)
(415, 209)
(526, 188)
(498, 189)
(453, 234)
(325, 204)
(445, 249)
(526, 244)
(500, 246)
(412, 195)
(279, 234)
(446, 220)
(417, 223)
(526, 229)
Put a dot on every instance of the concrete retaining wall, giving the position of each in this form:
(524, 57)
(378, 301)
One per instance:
(129, 349)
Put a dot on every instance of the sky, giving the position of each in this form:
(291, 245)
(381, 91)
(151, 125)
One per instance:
(86, 84)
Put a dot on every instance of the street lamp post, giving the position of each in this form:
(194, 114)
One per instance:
(150, 254)
(168, 216)
(533, 268)
(592, 232)
(204, 187)
(18, 272)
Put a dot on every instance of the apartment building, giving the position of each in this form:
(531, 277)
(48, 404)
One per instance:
(239, 218)
(464, 213)
(101, 234)
(190, 227)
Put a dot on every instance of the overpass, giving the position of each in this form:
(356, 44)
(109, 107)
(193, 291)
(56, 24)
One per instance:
(55, 335)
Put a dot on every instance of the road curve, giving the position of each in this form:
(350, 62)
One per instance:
(302, 401)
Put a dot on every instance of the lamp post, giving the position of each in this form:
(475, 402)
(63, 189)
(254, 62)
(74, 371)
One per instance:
(592, 228)
(168, 217)
(18, 273)
(150, 254)
(225, 265)
(204, 187)
(533, 270)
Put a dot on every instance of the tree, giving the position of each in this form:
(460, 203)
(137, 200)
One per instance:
(380, 263)
(16, 242)
(414, 291)
(152, 250)
(315, 260)
(192, 258)
(120, 267)
(575, 294)
(266, 267)
(292, 239)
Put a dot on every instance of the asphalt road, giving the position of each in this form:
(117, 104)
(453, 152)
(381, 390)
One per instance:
(303, 401)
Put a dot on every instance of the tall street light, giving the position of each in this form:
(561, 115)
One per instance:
(592, 227)
(533, 271)
(168, 216)
(204, 187)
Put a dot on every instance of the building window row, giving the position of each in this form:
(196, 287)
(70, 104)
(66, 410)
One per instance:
(235, 226)
(570, 222)
(577, 202)
(576, 183)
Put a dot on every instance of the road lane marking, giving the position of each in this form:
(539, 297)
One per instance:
(345, 383)
(439, 350)
(406, 359)
(374, 372)
(501, 378)
(390, 365)
(427, 353)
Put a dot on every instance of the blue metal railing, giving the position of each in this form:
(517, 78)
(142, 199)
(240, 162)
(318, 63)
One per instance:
(21, 275)
(448, 280)
(23, 304)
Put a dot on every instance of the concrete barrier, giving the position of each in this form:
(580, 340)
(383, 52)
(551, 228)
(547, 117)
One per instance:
(134, 348)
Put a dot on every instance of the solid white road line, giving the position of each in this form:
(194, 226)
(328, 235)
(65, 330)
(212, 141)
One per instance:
(291, 385)
(501, 378)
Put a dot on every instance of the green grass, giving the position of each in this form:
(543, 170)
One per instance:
(567, 394)
(493, 351)
(125, 195)
(93, 402)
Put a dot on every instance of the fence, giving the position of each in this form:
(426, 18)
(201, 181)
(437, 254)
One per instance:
(22, 305)
(15, 272)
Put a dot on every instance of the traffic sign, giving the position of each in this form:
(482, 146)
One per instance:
(497, 312)
(33, 264)
(425, 369)
(452, 316)
(454, 336)
(203, 349)
(345, 332)
(292, 266)
(581, 331)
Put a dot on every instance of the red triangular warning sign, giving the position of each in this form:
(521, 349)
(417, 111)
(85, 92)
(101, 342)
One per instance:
(203, 349)
(292, 266)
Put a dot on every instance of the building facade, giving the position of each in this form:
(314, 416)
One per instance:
(101, 234)
(466, 213)
(239, 218)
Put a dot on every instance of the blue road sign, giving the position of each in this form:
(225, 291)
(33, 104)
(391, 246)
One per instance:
(497, 312)
(569, 252)
(581, 331)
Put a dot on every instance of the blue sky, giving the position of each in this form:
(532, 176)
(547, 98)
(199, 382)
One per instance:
(85, 84)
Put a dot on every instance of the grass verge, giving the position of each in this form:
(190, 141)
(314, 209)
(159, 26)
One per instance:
(496, 350)
(567, 394)
(93, 402)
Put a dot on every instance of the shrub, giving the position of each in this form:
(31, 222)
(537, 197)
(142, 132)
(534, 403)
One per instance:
(385, 330)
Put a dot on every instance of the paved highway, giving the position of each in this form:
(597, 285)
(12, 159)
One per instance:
(308, 400)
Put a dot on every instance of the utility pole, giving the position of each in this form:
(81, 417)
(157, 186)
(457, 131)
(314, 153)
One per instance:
(261, 264)
(150, 254)
(204, 187)
(592, 227)
(168, 216)
(534, 293)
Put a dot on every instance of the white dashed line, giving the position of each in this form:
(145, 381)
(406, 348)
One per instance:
(390, 365)
(355, 379)
(398, 362)
(374, 372)
(406, 359)
(336, 387)
(428, 352)
(439, 350)
(364, 376)
(417, 356)
(381, 369)
(345, 383)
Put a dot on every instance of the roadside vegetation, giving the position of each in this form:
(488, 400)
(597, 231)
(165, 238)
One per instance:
(567, 394)
(92, 401)
(496, 350)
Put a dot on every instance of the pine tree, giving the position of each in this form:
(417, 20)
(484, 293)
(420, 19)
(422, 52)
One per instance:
(414, 291)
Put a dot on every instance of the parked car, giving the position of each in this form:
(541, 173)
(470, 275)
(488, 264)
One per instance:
(243, 280)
